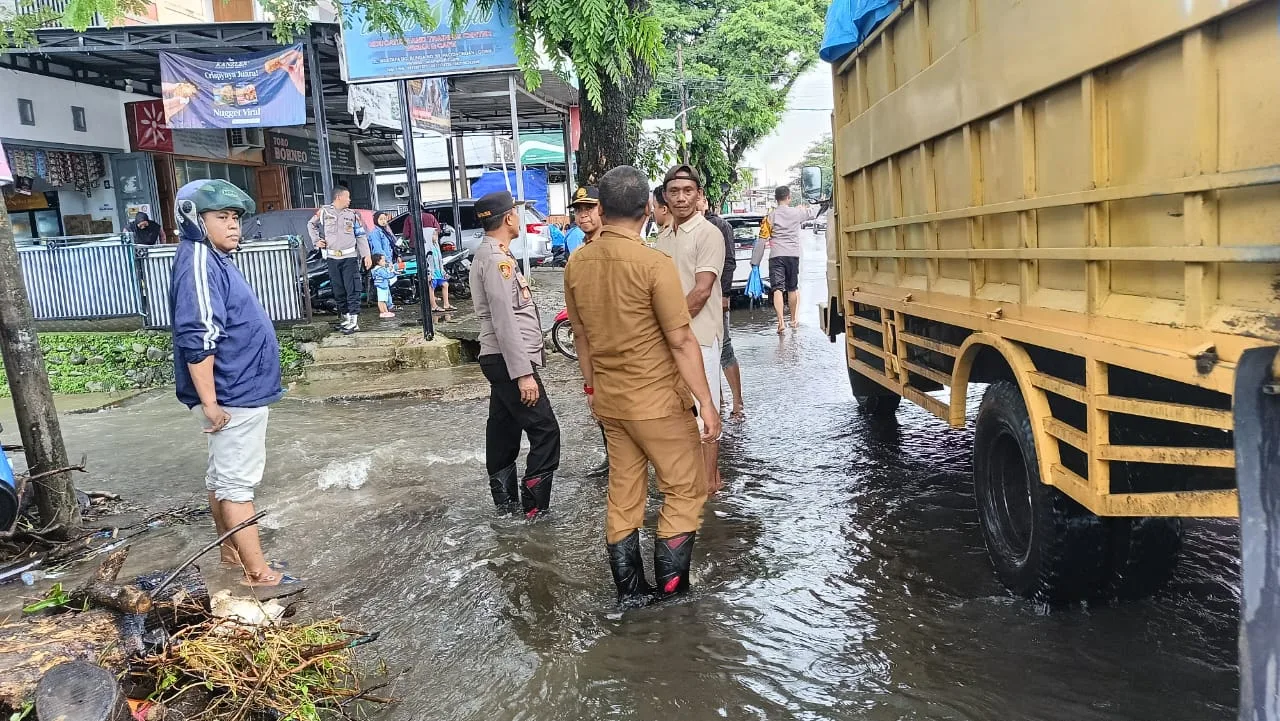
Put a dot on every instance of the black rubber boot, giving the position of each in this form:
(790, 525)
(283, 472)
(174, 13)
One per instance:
(535, 495)
(627, 564)
(671, 559)
(504, 485)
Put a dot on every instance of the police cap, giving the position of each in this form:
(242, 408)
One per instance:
(589, 195)
(494, 204)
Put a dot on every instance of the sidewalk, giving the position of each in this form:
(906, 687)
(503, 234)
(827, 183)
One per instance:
(78, 403)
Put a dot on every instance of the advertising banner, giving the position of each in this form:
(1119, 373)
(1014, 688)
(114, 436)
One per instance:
(483, 42)
(379, 104)
(6, 175)
(256, 90)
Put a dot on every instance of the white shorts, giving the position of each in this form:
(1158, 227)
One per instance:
(237, 453)
(710, 368)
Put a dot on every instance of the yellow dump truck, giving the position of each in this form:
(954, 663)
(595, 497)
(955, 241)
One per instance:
(1077, 204)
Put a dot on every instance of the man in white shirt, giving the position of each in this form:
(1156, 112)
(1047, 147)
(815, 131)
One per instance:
(784, 225)
(697, 248)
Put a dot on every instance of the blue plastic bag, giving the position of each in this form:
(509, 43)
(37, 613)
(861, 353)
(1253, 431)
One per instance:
(849, 22)
(755, 287)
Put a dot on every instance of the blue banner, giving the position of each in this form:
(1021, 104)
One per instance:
(257, 90)
(483, 42)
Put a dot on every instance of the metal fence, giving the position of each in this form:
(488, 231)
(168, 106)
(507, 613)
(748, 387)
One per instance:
(83, 277)
(272, 267)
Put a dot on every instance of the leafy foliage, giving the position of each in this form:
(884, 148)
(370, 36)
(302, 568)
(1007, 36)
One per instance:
(820, 153)
(741, 58)
(108, 362)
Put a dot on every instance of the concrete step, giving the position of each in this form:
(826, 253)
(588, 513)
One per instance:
(365, 339)
(440, 352)
(346, 354)
(347, 369)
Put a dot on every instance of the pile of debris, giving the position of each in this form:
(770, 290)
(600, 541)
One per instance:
(159, 647)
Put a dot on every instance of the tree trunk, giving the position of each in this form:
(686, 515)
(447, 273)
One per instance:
(32, 398)
(30, 647)
(610, 136)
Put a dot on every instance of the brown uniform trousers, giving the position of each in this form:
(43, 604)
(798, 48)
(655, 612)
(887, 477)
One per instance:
(672, 445)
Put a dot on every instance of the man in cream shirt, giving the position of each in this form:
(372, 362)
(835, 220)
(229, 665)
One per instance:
(697, 248)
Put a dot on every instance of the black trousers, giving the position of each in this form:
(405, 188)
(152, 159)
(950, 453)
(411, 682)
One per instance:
(509, 417)
(344, 273)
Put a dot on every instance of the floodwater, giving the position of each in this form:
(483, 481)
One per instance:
(840, 575)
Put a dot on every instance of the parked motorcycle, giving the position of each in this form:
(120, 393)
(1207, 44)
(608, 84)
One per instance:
(562, 335)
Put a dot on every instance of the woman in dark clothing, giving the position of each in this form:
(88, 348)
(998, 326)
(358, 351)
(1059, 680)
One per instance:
(145, 230)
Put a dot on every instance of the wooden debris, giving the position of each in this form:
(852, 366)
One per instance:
(103, 590)
(80, 691)
(30, 647)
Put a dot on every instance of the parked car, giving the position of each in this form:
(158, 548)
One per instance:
(746, 230)
(535, 229)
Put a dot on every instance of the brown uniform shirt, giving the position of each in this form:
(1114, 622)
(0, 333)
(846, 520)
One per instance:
(625, 296)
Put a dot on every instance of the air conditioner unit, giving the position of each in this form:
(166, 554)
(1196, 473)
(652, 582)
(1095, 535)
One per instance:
(402, 190)
(245, 138)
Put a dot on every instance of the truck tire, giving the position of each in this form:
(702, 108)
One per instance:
(873, 399)
(1044, 545)
(1144, 555)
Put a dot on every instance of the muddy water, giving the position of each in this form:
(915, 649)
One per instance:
(840, 576)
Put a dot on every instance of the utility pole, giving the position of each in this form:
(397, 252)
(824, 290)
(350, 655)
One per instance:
(684, 104)
(32, 399)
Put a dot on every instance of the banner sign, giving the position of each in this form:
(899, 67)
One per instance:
(429, 104)
(379, 104)
(257, 90)
(483, 42)
(305, 152)
(147, 131)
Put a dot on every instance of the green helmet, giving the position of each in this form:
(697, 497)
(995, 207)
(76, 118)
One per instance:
(202, 196)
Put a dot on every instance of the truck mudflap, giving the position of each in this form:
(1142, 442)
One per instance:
(1257, 446)
(831, 319)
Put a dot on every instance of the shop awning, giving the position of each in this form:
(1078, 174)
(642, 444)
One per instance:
(126, 58)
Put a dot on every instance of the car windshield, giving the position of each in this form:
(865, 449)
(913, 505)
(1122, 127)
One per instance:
(745, 230)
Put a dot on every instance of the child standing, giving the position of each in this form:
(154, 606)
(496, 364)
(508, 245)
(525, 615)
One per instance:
(383, 277)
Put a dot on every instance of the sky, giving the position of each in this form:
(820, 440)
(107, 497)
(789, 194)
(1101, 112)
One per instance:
(807, 118)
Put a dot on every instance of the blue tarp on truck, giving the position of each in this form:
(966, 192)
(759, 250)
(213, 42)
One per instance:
(535, 187)
(849, 22)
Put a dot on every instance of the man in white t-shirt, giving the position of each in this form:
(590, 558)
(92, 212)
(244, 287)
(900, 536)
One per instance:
(697, 248)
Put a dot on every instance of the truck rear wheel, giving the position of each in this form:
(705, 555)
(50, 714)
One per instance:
(873, 399)
(1044, 545)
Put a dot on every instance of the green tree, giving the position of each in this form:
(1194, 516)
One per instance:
(820, 153)
(741, 59)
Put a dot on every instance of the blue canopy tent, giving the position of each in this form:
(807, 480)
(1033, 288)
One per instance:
(535, 186)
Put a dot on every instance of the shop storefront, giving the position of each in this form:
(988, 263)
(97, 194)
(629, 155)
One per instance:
(59, 192)
(298, 157)
(177, 157)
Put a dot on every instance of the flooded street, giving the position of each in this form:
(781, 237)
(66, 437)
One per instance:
(840, 575)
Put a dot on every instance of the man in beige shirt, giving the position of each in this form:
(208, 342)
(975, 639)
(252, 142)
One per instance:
(640, 360)
(697, 247)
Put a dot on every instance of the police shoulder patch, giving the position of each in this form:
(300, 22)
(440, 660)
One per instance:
(507, 268)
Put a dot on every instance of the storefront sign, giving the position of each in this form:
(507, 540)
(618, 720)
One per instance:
(379, 104)
(147, 132)
(254, 90)
(305, 152)
(483, 42)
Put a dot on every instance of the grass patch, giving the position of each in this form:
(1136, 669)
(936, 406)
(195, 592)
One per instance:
(110, 362)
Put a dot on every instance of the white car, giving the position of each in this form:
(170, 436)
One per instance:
(746, 231)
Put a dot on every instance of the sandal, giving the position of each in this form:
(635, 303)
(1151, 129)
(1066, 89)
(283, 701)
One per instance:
(270, 578)
(449, 308)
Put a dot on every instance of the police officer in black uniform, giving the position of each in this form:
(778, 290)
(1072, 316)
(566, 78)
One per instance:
(511, 351)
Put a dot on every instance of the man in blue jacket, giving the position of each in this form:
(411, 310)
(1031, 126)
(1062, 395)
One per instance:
(226, 362)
